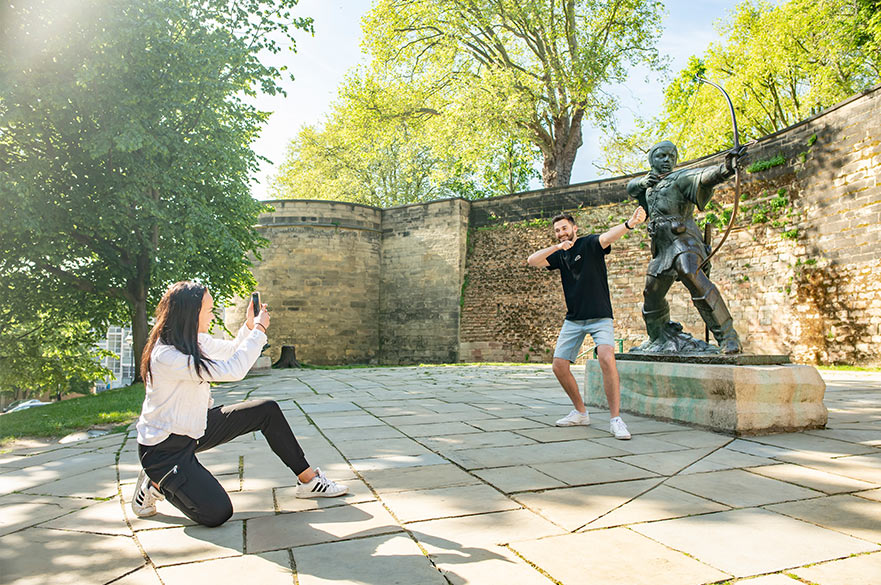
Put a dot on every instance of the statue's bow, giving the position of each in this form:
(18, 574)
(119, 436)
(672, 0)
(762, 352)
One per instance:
(736, 150)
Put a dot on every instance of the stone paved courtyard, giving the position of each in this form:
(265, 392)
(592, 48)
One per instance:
(457, 475)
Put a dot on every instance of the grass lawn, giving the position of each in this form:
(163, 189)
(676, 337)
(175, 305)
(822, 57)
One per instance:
(115, 408)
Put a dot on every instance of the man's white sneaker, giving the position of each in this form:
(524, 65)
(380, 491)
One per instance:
(574, 418)
(618, 428)
(146, 496)
(320, 487)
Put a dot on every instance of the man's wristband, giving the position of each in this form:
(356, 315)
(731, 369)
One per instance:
(627, 225)
(261, 326)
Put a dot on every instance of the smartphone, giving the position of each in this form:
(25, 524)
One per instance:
(255, 301)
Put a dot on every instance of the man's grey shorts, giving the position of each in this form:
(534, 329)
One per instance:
(573, 333)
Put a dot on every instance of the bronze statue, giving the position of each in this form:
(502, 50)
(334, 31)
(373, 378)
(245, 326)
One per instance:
(678, 251)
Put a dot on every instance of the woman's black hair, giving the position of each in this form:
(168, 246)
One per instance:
(177, 324)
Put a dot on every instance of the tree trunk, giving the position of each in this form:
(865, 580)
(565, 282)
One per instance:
(137, 289)
(559, 155)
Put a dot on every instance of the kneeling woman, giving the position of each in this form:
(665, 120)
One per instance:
(178, 420)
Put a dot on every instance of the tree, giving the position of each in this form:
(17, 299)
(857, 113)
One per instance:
(533, 66)
(124, 149)
(387, 143)
(46, 352)
(780, 64)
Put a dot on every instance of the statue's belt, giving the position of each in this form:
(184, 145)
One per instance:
(676, 223)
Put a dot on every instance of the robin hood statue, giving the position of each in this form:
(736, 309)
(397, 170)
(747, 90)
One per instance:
(679, 251)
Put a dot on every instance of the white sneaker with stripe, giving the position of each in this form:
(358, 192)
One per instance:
(320, 487)
(146, 496)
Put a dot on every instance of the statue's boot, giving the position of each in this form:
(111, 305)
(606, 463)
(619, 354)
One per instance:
(715, 314)
(656, 320)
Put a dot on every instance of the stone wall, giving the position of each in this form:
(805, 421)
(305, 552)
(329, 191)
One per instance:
(448, 281)
(423, 260)
(320, 279)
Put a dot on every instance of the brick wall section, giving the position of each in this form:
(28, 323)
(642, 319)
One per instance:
(423, 260)
(320, 278)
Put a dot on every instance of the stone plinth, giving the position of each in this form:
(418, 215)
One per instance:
(737, 399)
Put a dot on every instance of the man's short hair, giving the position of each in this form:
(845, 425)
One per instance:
(563, 216)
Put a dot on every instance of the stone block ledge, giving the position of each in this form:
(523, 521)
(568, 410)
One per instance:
(734, 399)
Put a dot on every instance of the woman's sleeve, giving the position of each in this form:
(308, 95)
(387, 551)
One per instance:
(221, 349)
(175, 364)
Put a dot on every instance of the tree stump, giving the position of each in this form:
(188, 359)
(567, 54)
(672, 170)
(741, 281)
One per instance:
(288, 358)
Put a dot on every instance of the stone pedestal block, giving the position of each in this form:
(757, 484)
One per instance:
(262, 364)
(737, 399)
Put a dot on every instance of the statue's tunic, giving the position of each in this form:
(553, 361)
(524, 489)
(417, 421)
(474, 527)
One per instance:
(670, 206)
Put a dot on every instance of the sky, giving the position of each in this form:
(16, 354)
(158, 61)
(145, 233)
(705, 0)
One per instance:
(321, 62)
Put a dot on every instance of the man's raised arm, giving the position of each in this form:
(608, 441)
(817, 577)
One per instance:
(540, 259)
(616, 232)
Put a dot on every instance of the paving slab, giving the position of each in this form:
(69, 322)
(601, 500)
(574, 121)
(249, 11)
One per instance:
(775, 579)
(640, 444)
(592, 471)
(552, 434)
(530, 454)
(172, 546)
(377, 560)
(815, 479)
(391, 462)
(98, 518)
(752, 541)
(739, 489)
(272, 568)
(146, 575)
(367, 448)
(97, 483)
(484, 529)
(858, 569)
(20, 511)
(362, 434)
(725, 458)
(418, 505)
(847, 514)
(518, 478)
(42, 556)
(505, 424)
(30, 477)
(436, 429)
(572, 508)
(403, 479)
(666, 463)
(870, 495)
(318, 526)
(446, 443)
(815, 444)
(584, 559)
(661, 503)
(482, 565)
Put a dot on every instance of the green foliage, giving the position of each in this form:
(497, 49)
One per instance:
(125, 156)
(533, 70)
(764, 165)
(812, 140)
(386, 143)
(46, 352)
(779, 62)
(790, 234)
(117, 407)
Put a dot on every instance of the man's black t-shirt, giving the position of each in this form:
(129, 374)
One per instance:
(585, 283)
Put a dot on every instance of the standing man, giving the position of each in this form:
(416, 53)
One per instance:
(582, 266)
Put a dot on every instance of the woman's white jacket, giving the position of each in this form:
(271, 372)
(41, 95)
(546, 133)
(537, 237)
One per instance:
(177, 399)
